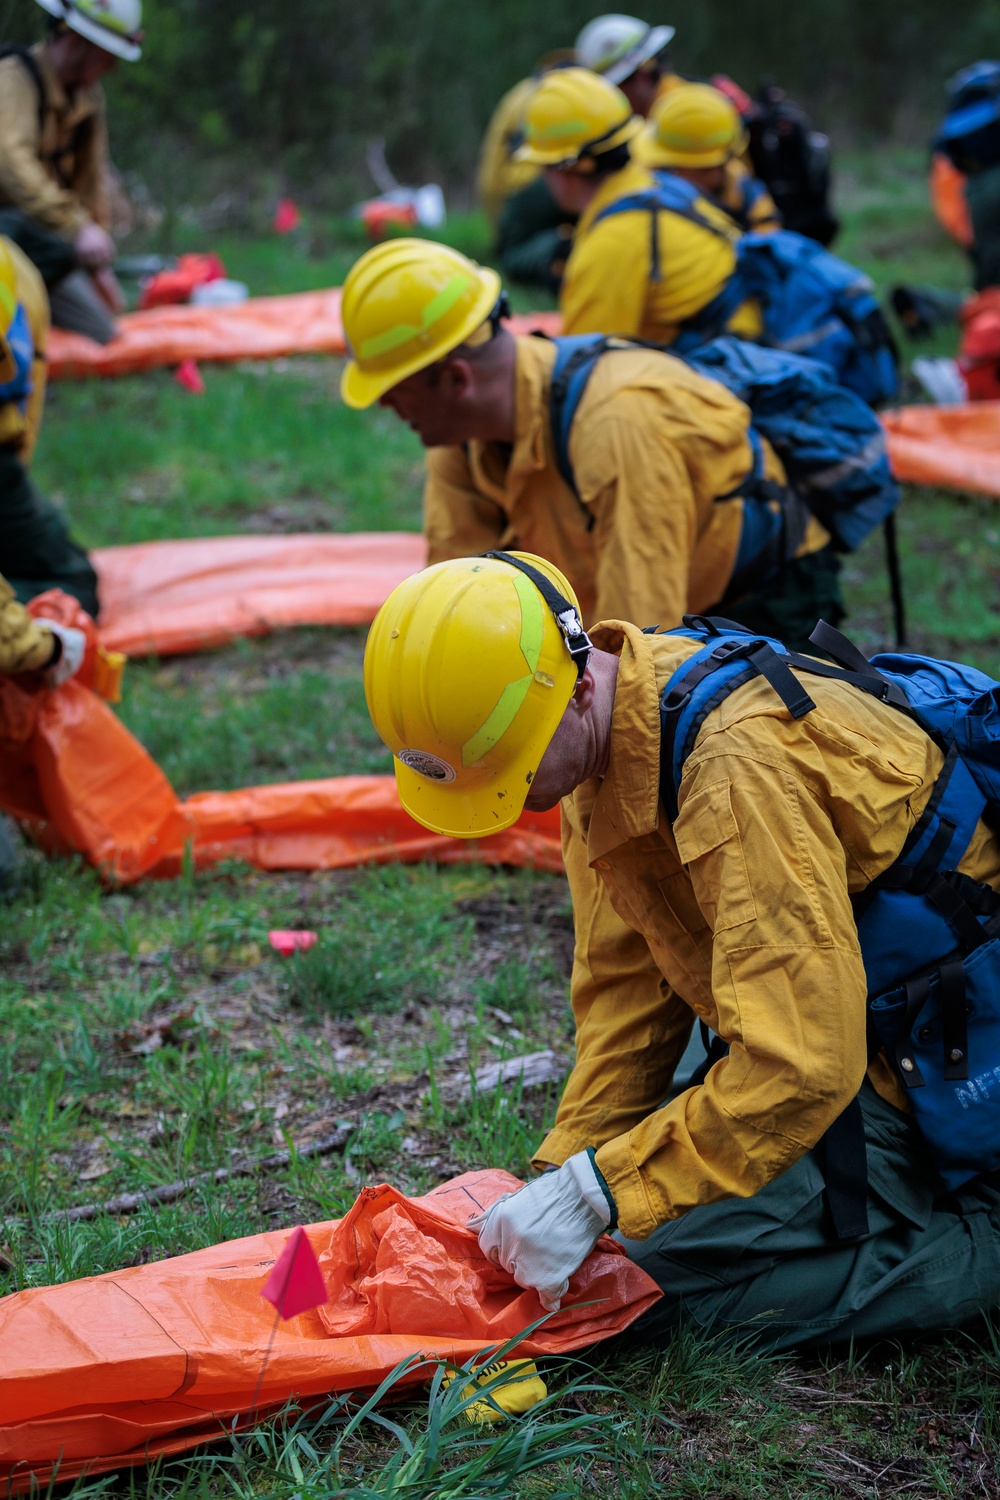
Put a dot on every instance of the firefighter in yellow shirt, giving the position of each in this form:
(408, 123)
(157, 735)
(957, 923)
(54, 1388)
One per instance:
(632, 270)
(662, 458)
(54, 155)
(482, 682)
(696, 133)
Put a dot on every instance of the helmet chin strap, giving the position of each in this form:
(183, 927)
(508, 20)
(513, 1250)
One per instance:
(565, 614)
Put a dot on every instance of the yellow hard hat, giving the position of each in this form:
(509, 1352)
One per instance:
(8, 312)
(469, 668)
(405, 304)
(694, 126)
(572, 116)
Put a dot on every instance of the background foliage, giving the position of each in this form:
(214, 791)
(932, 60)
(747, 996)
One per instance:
(296, 87)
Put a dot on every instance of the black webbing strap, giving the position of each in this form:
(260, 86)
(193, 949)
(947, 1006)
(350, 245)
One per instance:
(843, 1160)
(954, 1020)
(917, 989)
(895, 579)
(788, 688)
(564, 613)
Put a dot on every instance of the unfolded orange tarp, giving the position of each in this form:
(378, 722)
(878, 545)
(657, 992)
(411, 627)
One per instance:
(957, 447)
(262, 328)
(77, 780)
(168, 597)
(114, 1370)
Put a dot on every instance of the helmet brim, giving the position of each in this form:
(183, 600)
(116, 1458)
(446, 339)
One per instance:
(658, 38)
(536, 157)
(102, 36)
(360, 388)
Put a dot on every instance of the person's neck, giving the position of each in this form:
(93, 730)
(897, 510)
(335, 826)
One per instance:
(605, 667)
(496, 415)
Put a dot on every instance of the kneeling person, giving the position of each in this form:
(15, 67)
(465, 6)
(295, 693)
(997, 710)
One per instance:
(660, 500)
(739, 890)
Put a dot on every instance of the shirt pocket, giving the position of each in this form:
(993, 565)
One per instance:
(710, 847)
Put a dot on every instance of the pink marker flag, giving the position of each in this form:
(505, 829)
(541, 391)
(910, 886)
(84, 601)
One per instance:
(291, 940)
(189, 376)
(286, 216)
(296, 1283)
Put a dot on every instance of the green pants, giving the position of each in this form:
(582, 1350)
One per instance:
(36, 549)
(769, 1269)
(534, 237)
(806, 590)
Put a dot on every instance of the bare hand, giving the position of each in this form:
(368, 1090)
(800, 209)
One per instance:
(111, 293)
(94, 247)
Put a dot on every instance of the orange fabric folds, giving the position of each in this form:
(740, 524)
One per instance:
(170, 597)
(262, 328)
(957, 447)
(73, 775)
(113, 1370)
(947, 190)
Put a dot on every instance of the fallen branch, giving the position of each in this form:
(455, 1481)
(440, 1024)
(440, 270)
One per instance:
(128, 1203)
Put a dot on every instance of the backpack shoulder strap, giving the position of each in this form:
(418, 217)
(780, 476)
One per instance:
(28, 62)
(576, 357)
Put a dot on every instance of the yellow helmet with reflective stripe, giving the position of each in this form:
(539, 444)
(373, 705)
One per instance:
(406, 304)
(694, 126)
(572, 117)
(469, 668)
(8, 311)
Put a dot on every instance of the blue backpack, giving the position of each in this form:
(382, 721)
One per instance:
(930, 937)
(831, 444)
(811, 301)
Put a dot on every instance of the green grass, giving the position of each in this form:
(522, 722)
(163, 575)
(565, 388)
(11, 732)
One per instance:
(149, 1033)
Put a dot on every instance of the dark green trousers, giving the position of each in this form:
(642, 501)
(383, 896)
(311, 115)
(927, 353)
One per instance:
(36, 549)
(806, 590)
(768, 1269)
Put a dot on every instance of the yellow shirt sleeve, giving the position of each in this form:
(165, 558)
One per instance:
(24, 645)
(631, 1029)
(458, 520)
(24, 182)
(768, 871)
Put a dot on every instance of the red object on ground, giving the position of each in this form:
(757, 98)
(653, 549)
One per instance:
(947, 191)
(286, 216)
(296, 1284)
(979, 350)
(176, 285)
(261, 328)
(288, 942)
(379, 217)
(115, 1370)
(77, 780)
(956, 447)
(166, 598)
(189, 376)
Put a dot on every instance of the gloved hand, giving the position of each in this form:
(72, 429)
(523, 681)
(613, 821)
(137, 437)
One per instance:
(542, 1233)
(73, 646)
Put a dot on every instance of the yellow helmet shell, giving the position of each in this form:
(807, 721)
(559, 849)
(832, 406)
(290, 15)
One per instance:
(405, 304)
(467, 676)
(574, 114)
(8, 311)
(694, 126)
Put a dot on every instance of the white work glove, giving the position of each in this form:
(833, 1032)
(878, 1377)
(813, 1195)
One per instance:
(73, 644)
(544, 1232)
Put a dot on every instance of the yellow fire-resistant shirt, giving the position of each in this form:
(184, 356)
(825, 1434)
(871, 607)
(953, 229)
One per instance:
(740, 915)
(608, 285)
(653, 445)
(748, 201)
(19, 429)
(56, 174)
(498, 175)
(24, 645)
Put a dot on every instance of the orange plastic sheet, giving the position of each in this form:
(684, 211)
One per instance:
(78, 781)
(948, 200)
(262, 328)
(957, 447)
(170, 597)
(114, 1370)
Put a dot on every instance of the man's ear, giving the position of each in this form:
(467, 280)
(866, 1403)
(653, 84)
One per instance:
(584, 693)
(457, 373)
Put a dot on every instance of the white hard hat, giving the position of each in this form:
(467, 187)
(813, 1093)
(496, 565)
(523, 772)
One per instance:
(616, 45)
(115, 25)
